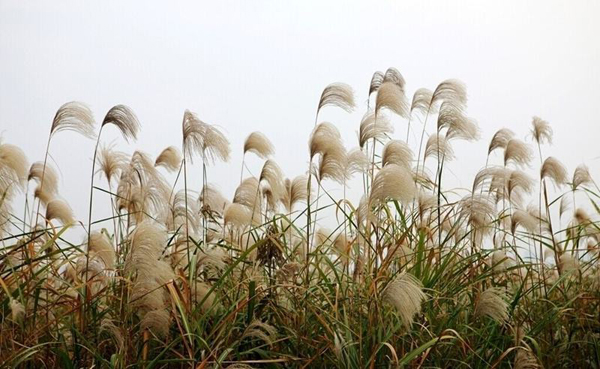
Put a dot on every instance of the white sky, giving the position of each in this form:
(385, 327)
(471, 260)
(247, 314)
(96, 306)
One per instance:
(261, 65)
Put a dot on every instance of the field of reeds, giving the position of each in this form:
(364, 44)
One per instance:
(503, 274)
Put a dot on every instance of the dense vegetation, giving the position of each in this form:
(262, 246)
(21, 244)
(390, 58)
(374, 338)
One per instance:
(413, 274)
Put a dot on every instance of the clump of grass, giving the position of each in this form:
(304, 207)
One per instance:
(506, 273)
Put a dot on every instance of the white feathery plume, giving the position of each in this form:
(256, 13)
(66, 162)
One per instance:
(542, 132)
(525, 220)
(337, 94)
(581, 176)
(203, 138)
(13, 165)
(390, 96)
(295, 192)
(554, 170)
(247, 193)
(258, 144)
(111, 163)
(405, 293)
(517, 184)
(272, 174)
(169, 158)
(517, 152)
(373, 129)
(151, 273)
(376, 81)
(237, 217)
(122, 117)
(74, 116)
(60, 210)
(397, 152)
(394, 76)
(393, 182)
(332, 165)
(356, 162)
(500, 139)
(492, 303)
(421, 102)
(212, 199)
(439, 147)
(450, 90)
(325, 136)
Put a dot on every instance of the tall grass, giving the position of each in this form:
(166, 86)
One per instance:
(413, 274)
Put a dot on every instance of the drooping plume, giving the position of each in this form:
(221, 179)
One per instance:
(169, 158)
(397, 152)
(122, 117)
(47, 180)
(517, 152)
(337, 94)
(542, 132)
(393, 182)
(151, 273)
(450, 90)
(391, 97)
(74, 116)
(554, 170)
(324, 137)
(421, 102)
(581, 176)
(204, 139)
(60, 210)
(295, 192)
(438, 147)
(110, 162)
(500, 139)
(272, 174)
(259, 144)
(394, 76)
(373, 129)
(492, 303)
(376, 81)
(405, 293)
(213, 200)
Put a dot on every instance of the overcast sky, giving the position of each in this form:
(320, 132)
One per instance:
(261, 65)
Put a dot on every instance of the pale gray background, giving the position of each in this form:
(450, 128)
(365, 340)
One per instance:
(261, 65)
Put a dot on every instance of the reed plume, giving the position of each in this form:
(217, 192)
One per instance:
(517, 152)
(259, 144)
(397, 152)
(295, 192)
(111, 163)
(74, 116)
(554, 170)
(213, 200)
(492, 303)
(581, 176)
(339, 95)
(393, 182)
(203, 138)
(405, 293)
(373, 129)
(376, 81)
(60, 210)
(391, 97)
(151, 273)
(541, 131)
(500, 139)
(272, 174)
(169, 158)
(122, 117)
(438, 147)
